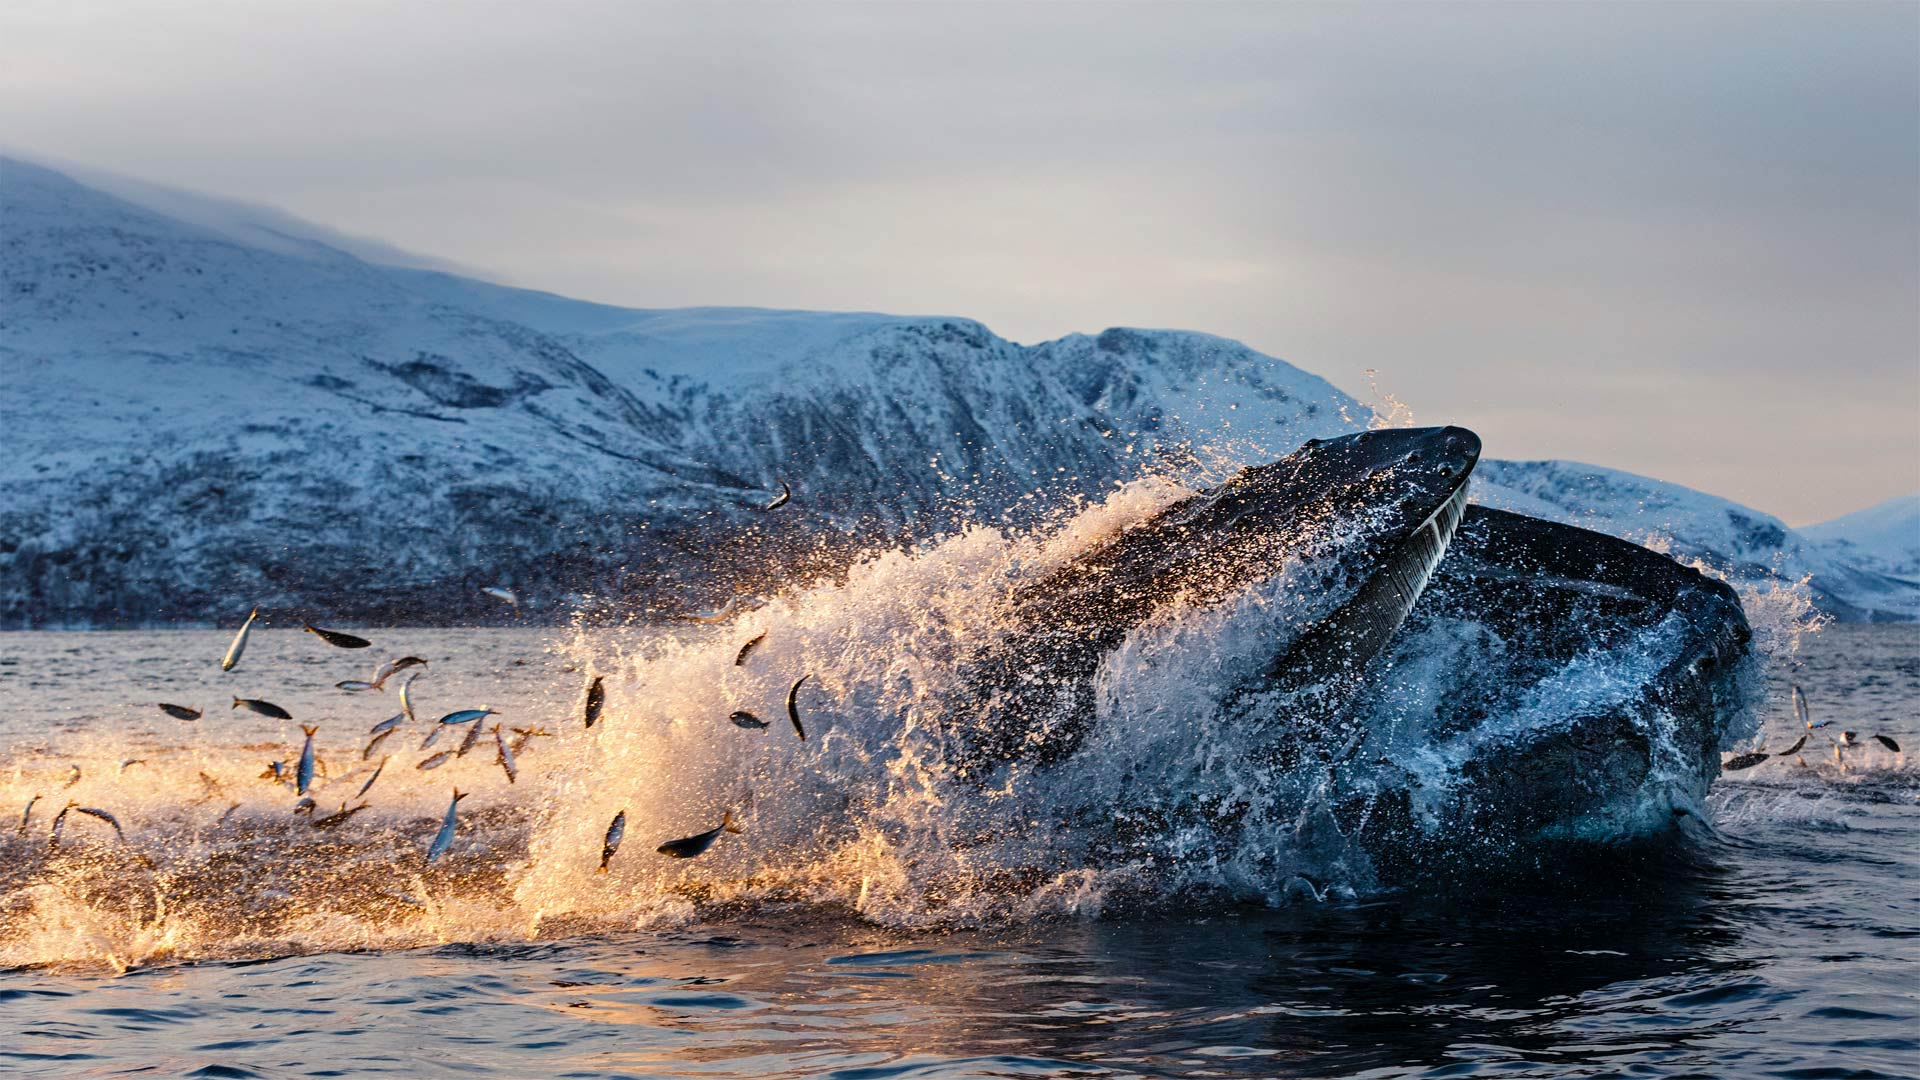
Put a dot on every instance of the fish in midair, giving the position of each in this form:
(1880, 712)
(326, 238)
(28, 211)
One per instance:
(688, 847)
(394, 667)
(436, 760)
(26, 815)
(337, 639)
(386, 725)
(74, 778)
(500, 593)
(354, 686)
(444, 839)
(793, 705)
(276, 771)
(741, 659)
(239, 642)
(596, 700)
(131, 762)
(526, 735)
(406, 703)
(264, 708)
(722, 614)
(1744, 761)
(95, 812)
(59, 823)
(1887, 742)
(180, 712)
(378, 769)
(506, 756)
(338, 817)
(304, 778)
(465, 715)
(745, 719)
(1805, 714)
(374, 744)
(785, 496)
(466, 744)
(433, 736)
(615, 833)
(1794, 749)
(304, 806)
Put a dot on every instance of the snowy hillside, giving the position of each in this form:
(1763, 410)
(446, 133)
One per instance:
(1885, 538)
(205, 410)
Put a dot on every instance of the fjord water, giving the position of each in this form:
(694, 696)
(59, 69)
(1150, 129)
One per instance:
(1787, 944)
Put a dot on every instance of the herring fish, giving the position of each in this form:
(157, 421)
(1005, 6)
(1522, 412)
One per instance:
(239, 642)
(793, 706)
(444, 839)
(386, 725)
(500, 593)
(691, 846)
(264, 708)
(615, 833)
(596, 700)
(506, 756)
(304, 806)
(374, 744)
(378, 769)
(304, 778)
(180, 712)
(104, 816)
(741, 659)
(59, 823)
(436, 760)
(394, 667)
(406, 703)
(337, 639)
(745, 719)
(338, 817)
(466, 744)
(276, 770)
(1887, 742)
(1794, 749)
(354, 686)
(433, 736)
(27, 814)
(465, 715)
(1744, 761)
(785, 496)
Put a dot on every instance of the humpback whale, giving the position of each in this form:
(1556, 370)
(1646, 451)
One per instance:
(1378, 507)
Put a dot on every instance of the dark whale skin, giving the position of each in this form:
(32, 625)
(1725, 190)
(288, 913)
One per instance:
(1383, 503)
(1545, 593)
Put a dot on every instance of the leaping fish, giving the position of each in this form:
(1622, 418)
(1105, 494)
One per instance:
(75, 778)
(506, 756)
(394, 667)
(741, 659)
(378, 769)
(1887, 742)
(1744, 761)
(785, 496)
(615, 833)
(499, 593)
(436, 760)
(406, 703)
(264, 708)
(374, 744)
(692, 846)
(338, 817)
(1794, 749)
(304, 778)
(355, 686)
(793, 705)
(386, 725)
(465, 715)
(276, 771)
(444, 839)
(466, 744)
(745, 719)
(304, 806)
(337, 639)
(106, 817)
(27, 814)
(59, 823)
(596, 700)
(180, 712)
(239, 643)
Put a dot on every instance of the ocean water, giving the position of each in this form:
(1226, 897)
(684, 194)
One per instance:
(872, 917)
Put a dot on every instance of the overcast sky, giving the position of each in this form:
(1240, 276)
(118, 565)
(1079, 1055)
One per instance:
(1680, 239)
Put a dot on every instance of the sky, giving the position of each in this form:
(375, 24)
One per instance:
(1677, 239)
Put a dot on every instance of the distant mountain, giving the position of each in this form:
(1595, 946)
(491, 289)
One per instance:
(204, 410)
(1884, 538)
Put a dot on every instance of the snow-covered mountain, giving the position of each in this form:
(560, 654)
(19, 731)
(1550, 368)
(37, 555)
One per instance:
(1884, 538)
(202, 411)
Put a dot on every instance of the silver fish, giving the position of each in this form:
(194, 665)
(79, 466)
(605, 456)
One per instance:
(406, 703)
(437, 760)
(444, 839)
(304, 806)
(464, 715)
(741, 659)
(382, 767)
(131, 762)
(264, 708)
(793, 705)
(394, 667)
(1744, 761)
(615, 833)
(106, 817)
(433, 736)
(466, 744)
(692, 846)
(745, 719)
(1887, 742)
(337, 639)
(304, 778)
(75, 778)
(374, 744)
(277, 771)
(180, 712)
(786, 496)
(1800, 707)
(338, 817)
(1794, 749)
(27, 815)
(506, 756)
(59, 823)
(354, 686)
(239, 643)
(227, 813)
(499, 593)
(386, 725)
(596, 700)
